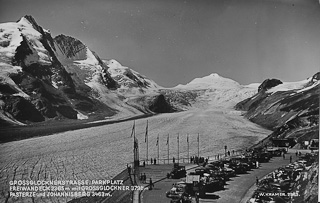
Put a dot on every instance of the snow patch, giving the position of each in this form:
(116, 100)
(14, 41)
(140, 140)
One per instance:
(310, 87)
(81, 116)
(286, 86)
(90, 60)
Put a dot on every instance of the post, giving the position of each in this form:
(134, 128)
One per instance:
(147, 149)
(188, 147)
(168, 148)
(158, 148)
(147, 140)
(178, 147)
(225, 151)
(198, 146)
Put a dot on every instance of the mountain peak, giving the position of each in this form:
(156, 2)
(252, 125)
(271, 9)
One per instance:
(30, 20)
(213, 80)
(214, 75)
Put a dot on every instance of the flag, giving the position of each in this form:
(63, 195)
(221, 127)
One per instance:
(178, 137)
(133, 128)
(135, 143)
(146, 136)
(157, 140)
(187, 138)
(167, 140)
(198, 137)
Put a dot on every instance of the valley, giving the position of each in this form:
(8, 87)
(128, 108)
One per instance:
(101, 152)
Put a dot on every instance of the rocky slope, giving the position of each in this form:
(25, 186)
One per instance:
(291, 110)
(44, 78)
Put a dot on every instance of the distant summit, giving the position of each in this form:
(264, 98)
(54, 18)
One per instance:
(212, 81)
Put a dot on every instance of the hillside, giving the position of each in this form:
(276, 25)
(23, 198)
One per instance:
(290, 109)
(44, 78)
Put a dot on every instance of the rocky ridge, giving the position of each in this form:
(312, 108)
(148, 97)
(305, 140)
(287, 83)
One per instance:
(291, 110)
(44, 78)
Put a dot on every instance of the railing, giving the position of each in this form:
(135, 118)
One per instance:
(192, 159)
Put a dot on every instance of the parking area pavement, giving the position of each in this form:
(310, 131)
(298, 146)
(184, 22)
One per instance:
(238, 189)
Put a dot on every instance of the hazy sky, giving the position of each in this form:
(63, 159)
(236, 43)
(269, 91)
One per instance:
(174, 41)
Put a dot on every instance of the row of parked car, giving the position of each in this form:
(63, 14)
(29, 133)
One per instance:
(281, 184)
(211, 177)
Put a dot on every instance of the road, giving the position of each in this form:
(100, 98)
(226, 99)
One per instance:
(238, 190)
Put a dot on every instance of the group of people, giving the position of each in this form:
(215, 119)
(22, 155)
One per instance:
(152, 161)
(284, 157)
(143, 179)
(197, 160)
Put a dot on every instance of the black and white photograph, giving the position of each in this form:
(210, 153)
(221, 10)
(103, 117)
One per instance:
(159, 101)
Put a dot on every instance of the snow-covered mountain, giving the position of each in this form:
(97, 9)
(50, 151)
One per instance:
(84, 65)
(212, 91)
(45, 78)
(212, 81)
(130, 81)
(291, 109)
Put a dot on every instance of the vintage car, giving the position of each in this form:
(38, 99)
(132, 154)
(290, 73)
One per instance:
(208, 184)
(177, 189)
(179, 193)
(177, 172)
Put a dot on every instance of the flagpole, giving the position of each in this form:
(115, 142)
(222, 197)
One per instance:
(147, 140)
(178, 147)
(188, 146)
(168, 147)
(198, 146)
(158, 149)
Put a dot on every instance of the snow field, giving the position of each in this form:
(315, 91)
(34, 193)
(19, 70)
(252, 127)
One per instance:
(102, 152)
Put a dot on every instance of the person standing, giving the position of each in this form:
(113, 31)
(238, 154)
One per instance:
(150, 184)
(284, 156)
(197, 197)
(129, 169)
(144, 178)
(257, 180)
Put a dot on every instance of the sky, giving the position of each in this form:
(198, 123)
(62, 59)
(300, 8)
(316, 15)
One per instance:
(175, 41)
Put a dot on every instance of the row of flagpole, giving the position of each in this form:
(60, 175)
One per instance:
(135, 141)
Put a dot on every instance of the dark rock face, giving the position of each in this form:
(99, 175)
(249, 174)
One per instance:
(316, 77)
(269, 83)
(37, 78)
(137, 82)
(22, 110)
(290, 114)
(69, 45)
(160, 105)
(181, 98)
(21, 52)
(73, 49)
